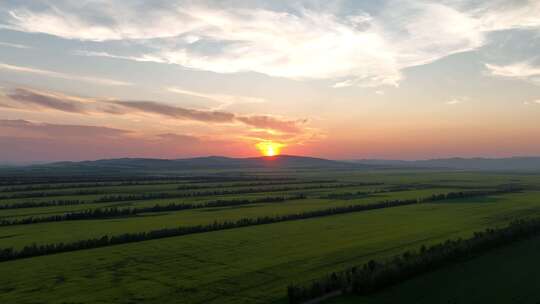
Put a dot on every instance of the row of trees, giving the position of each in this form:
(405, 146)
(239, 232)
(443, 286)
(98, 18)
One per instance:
(28, 180)
(163, 195)
(115, 212)
(52, 186)
(50, 193)
(36, 250)
(375, 275)
(47, 187)
(188, 186)
(148, 196)
(42, 204)
(347, 195)
(56, 186)
(473, 193)
(254, 184)
(357, 194)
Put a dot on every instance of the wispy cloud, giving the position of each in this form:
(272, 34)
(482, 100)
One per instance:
(519, 70)
(175, 112)
(47, 100)
(26, 128)
(224, 100)
(48, 73)
(23, 140)
(14, 45)
(24, 98)
(364, 49)
(272, 123)
(533, 102)
(456, 101)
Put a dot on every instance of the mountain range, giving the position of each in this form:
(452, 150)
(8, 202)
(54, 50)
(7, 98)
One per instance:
(289, 161)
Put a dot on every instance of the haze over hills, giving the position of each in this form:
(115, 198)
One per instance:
(292, 161)
(288, 161)
(210, 162)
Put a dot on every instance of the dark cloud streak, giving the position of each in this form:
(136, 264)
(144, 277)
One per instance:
(23, 141)
(30, 99)
(178, 112)
(45, 100)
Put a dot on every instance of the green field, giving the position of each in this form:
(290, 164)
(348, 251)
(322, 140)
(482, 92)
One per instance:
(506, 275)
(256, 263)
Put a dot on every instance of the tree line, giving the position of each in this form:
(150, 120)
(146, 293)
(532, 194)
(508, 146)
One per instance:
(115, 212)
(188, 186)
(163, 195)
(37, 250)
(89, 185)
(50, 193)
(43, 204)
(356, 194)
(66, 179)
(148, 196)
(255, 184)
(375, 275)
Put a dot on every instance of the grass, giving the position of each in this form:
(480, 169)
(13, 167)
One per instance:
(250, 264)
(246, 265)
(20, 235)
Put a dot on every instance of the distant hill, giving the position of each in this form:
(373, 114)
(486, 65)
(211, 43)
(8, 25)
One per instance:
(133, 165)
(480, 164)
(211, 162)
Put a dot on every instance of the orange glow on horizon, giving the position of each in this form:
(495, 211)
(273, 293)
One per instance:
(269, 148)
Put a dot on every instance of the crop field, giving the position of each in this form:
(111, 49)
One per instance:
(514, 277)
(236, 236)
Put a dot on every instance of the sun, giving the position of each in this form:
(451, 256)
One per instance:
(269, 148)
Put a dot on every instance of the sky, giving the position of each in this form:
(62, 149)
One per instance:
(390, 79)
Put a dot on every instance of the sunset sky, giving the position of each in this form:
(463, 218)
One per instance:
(95, 79)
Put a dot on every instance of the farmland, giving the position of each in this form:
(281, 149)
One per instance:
(238, 236)
(471, 281)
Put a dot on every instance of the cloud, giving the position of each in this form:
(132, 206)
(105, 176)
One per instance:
(519, 70)
(24, 140)
(457, 100)
(24, 128)
(347, 46)
(24, 98)
(535, 102)
(14, 45)
(48, 73)
(498, 15)
(176, 112)
(273, 123)
(178, 138)
(46, 100)
(223, 99)
(454, 102)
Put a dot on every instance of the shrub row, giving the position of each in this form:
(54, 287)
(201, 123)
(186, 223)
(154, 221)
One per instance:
(187, 186)
(147, 196)
(47, 180)
(126, 212)
(357, 194)
(255, 184)
(163, 195)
